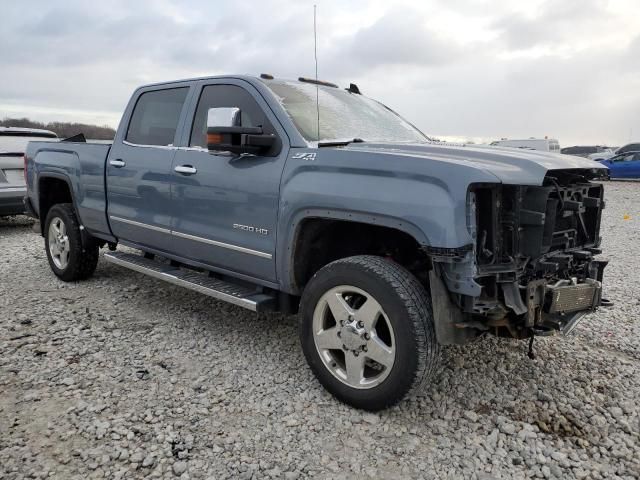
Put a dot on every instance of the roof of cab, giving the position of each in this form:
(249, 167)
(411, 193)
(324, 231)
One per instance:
(198, 79)
(250, 78)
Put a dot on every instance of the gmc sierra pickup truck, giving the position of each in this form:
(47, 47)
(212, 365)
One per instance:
(301, 196)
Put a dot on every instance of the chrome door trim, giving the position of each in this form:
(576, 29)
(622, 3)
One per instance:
(222, 244)
(216, 243)
(164, 147)
(140, 224)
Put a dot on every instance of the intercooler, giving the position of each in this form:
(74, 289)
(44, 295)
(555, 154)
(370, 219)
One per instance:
(565, 297)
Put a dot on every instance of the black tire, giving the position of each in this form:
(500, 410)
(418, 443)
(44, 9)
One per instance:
(82, 260)
(407, 306)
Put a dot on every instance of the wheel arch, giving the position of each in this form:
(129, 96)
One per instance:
(53, 188)
(312, 221)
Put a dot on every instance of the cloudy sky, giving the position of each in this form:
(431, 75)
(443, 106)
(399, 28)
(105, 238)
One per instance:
(469, 69)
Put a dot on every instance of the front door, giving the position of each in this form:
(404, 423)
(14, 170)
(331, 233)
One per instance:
(625, 166)
(227, 204)
(139, 170)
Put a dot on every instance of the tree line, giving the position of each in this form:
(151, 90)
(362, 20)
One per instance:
(63, 129)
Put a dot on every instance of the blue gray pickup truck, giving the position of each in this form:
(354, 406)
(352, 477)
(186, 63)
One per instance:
(299, 196)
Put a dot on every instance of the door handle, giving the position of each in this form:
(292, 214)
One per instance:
(186, 169)
(117, 163)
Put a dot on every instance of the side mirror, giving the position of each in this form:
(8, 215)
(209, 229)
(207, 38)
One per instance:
(225, 133)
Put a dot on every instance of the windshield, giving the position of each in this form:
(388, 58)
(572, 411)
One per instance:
(343, 115)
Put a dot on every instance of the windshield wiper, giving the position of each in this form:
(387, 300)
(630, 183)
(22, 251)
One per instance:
(11, 154)
(339, 143)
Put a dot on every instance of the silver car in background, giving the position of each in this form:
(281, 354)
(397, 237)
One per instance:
(13, 144)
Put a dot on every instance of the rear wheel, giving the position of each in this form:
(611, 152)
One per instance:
(68, 258)
(367, 331)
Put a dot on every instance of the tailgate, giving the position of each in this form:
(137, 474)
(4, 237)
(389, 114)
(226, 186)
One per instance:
(11, 170)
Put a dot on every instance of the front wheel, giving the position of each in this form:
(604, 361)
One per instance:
(366, 328)
(68, 258)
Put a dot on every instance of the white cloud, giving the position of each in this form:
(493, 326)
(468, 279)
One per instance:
(464, 68)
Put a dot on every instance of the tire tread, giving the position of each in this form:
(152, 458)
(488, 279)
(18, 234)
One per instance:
(87, 255)
(418, 305)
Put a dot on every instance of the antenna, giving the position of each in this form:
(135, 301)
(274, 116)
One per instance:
(315, 54)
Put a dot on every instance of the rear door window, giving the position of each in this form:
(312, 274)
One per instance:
(155, 117)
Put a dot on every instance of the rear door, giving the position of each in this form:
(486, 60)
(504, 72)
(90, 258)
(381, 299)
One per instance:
(139, 168)
(226, 210)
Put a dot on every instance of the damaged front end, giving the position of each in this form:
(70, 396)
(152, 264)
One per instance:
(531, 269)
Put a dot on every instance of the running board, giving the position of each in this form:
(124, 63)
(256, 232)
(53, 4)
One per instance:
(240, 295)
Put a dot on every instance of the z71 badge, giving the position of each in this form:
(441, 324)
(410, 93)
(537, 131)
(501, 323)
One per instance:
(304, 156)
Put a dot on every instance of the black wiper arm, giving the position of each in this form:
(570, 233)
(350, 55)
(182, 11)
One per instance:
(339, 143)
(11, 154)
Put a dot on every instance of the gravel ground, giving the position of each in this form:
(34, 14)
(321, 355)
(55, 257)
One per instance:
(122, 376)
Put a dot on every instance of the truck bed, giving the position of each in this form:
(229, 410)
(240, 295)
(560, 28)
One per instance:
(82, 166)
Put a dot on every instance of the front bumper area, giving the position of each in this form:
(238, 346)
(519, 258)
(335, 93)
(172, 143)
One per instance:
(566, 297)
(517, 307)
(565, 304)
(557, 306)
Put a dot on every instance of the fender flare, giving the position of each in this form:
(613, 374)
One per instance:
(289, 240)
(84, 235)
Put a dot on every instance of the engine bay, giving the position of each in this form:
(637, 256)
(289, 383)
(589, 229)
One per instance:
(534, 253)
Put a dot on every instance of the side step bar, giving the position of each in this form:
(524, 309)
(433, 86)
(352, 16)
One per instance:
(240, 295)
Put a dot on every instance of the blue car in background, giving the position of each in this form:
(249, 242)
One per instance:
(625, 165)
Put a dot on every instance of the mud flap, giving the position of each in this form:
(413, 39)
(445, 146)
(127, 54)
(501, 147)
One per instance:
(446, 315)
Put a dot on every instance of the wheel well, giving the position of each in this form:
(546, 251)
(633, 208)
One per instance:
(50, 192)
(321, 241)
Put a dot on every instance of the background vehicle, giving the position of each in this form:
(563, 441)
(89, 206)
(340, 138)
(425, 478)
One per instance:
(584, 151)
(629, 147)
(625, 165)
(387, 244)
(543, 144)
(13, 143)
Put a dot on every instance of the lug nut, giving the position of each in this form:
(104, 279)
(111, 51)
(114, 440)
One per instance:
(339, 334)
(355, 353)
(364, 348)
(360, 324)
(367, 336)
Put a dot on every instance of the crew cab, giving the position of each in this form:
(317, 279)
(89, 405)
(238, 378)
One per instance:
(299, 196)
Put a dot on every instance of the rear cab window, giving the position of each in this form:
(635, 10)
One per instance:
(156, 116)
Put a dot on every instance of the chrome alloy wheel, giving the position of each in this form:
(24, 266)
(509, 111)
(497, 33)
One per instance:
(58, 243)
(354, 337)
